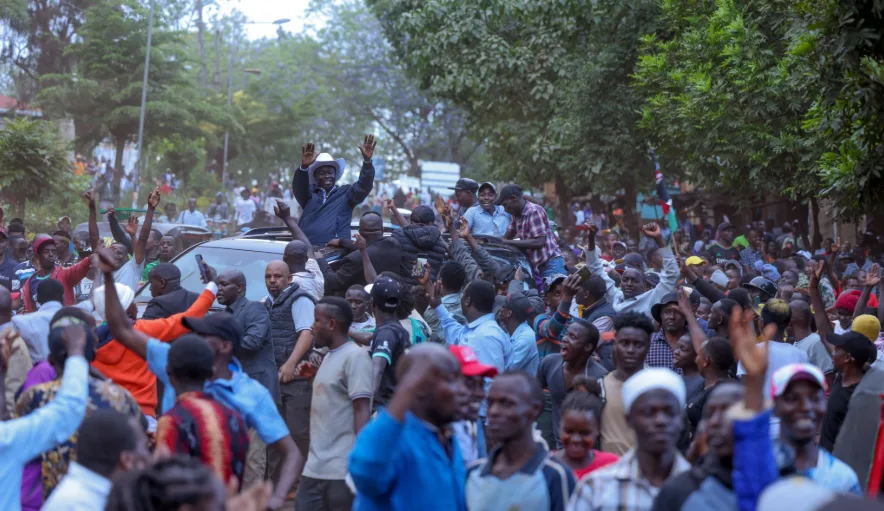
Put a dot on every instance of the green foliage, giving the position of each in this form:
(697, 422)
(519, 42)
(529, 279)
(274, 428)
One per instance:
(104, 96)
(33, 161)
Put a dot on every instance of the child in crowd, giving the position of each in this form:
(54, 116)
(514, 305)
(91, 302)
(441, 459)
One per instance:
(579, 430)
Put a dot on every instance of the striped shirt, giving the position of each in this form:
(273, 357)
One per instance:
(620, 487)
(483, 223)
(200, 426)
(542, 483)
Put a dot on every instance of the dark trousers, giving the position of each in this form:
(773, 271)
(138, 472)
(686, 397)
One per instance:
(294, 407)
(323, 495)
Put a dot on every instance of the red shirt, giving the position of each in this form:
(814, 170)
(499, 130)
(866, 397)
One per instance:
(599, 460)
(200, 426)
(69, 277)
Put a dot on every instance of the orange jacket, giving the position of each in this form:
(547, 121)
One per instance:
(129, 370)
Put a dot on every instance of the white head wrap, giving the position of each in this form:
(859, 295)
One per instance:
(126, 295)
(649, 379)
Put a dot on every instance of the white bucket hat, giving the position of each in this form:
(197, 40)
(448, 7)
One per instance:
(326, 160)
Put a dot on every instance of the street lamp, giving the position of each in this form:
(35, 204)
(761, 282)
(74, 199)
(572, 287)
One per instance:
(278, 22)
(137, 177)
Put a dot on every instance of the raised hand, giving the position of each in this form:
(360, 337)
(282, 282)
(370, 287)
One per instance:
(6, 349)
(153, 200)
(89, 199)
(367, 147)
(282, 210)
(684, 301)
(520, 275)
(74, 337)
(111, 211)
(105, 260)
(132, 226)
(742, 337)
(815, 277)
(652, 230)
(434, 292)
(836, 246)
(464, 230)
(425, 276)
(359, 242)
(570, 286)
(873, 276)
(308, 155)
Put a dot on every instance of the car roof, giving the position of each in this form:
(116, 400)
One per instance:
(104, 227)
(253, 244)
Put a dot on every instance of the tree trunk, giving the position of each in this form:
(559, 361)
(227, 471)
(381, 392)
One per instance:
(18, 208)
(817, 240)
(630, 217)
(201, 36)
(217, 60)
(563, 207)
(120, 145)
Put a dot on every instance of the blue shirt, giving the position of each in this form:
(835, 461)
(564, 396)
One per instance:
(25, 438)
(404, 466)
(491, 344)
(241, 393)
(525, 354)
(7, 272)
(488, 224)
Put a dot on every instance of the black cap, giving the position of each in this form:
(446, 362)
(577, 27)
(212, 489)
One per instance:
(465, 183)
(652, 278)
(519, 304)
(666, 300)
(220, 324)
(385, 293)
(487, 184)
(634, 260)
(507, 192)
(856, 345)
(724, 225)
(762, 284)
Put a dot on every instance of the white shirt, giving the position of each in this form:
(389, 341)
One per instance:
(192, 218)
(129, 275)
(80, 489)
(245, 210)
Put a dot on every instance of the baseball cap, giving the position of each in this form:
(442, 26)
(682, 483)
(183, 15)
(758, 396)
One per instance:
(465, 183)
(856, 344)
(694, 261)
(795, 372)
(469, 363)
(40, 240)
(65, 217)
(867, 325)
(509, 191)
(385, 293)
(552, 280)
(489, 185)
(519, 304)
(219, 324)
(724, 226)
(652, 278)
(634, 260)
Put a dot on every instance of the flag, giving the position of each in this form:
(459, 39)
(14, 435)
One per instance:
(663, 195)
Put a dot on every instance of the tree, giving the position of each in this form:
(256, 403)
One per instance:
(104, 97)
(33, 163)
(373, 87)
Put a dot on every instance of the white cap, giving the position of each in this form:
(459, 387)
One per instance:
(649, 379)
(125, 294)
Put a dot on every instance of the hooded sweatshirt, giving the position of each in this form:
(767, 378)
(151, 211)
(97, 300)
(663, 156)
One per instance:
(418, 240)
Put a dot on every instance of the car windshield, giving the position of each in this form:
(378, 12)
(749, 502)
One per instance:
(251, 263)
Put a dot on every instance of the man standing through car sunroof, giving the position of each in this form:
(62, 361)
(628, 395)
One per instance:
(328, 208)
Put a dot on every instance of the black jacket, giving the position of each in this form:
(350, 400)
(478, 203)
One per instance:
(420, 239)
(255, 351)
(173, 302)
(385, 255)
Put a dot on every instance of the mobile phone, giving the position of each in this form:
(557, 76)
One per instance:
(584, 273)
(202, 268)
(420, 264)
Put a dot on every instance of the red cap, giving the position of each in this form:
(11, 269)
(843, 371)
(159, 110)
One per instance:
(469, 364)
(40, 240)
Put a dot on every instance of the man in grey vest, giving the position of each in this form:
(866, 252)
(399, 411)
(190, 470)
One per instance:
(290, 308)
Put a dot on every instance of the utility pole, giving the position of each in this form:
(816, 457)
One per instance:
(229, 99)
(137, 176)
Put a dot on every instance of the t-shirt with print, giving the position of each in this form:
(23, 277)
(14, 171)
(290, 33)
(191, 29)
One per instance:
(834, 474)
(390, 342)
(344, 376)
(721, 255)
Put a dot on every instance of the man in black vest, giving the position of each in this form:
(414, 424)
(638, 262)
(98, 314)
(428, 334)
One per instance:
(291, 321)
(169, 297)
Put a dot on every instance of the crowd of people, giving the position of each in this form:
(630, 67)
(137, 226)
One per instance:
(421, 372)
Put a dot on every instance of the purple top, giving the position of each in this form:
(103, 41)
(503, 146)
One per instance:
(32, 476)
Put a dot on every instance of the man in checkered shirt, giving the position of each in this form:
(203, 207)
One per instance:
(529, 230)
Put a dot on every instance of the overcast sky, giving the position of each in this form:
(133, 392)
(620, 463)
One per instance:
(270, 10)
